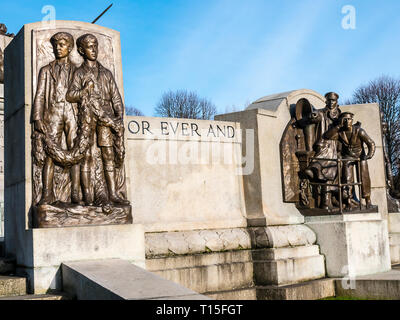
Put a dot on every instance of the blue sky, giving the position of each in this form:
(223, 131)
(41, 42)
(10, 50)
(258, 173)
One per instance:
(236, 51)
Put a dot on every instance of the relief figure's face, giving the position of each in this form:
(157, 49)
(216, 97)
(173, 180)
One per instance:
(90, 50)
(332, 103)
(348, 122)
(61, 48)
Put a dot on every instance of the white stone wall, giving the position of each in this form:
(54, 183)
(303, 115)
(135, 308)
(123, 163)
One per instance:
(184, 174)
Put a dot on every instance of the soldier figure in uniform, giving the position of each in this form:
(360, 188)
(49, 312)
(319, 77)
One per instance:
(100, 108)
(353, 140)
(320, 169)
(52, 114)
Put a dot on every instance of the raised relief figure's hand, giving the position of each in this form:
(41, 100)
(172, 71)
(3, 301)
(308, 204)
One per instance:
(39, 126)
(89, 87)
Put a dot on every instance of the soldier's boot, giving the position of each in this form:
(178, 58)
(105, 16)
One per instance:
(327, 201)
(368, 203)
(110, 178)
(47, 180)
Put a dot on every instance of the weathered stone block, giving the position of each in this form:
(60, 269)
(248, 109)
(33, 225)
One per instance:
(288, 271)
(353, 244)
(12, 286)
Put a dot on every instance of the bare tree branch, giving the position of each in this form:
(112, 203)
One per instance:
(184, 104)
(132, 111)
(386, 92)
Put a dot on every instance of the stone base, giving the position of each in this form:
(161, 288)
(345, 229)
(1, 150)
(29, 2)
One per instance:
(211, 273)
(353, 244)
(66, 215)
(207, 272)
(282, 266)
(311, 290)
(40, 259)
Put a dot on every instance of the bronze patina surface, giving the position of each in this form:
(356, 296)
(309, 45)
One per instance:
(78, 143)
(324, 160)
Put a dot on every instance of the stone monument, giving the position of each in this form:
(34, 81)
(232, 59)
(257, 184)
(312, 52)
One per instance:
(66, 191)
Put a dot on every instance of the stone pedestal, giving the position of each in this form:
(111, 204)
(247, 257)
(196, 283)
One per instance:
(353, 244)
(43, 251)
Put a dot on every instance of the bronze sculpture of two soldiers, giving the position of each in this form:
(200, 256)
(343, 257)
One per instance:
(81, 103)
(335, 148)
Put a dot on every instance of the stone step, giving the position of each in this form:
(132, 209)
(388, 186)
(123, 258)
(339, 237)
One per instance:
(222, 271)
(232, 295)
(116, 279)
(289, 271)
(385, 285)
(12, 286)
(7, 266)
(212, 278)
(311, 290)
(60, 296)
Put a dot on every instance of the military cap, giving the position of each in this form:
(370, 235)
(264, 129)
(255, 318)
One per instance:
(332, 95)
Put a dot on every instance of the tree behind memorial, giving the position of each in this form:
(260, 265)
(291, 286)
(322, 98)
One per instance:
(385, 91)
(133, 111)
(184, 104)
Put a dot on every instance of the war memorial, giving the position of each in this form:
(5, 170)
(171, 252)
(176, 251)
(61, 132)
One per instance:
(289, 199)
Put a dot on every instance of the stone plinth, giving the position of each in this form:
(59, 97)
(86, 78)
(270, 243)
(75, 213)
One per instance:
(353, 244)
(44, 250)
